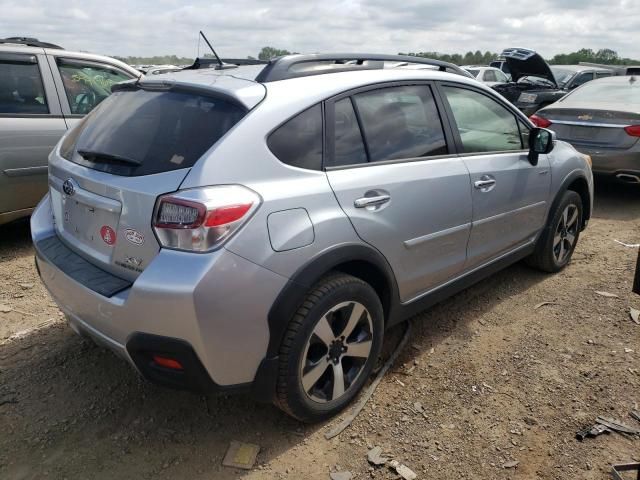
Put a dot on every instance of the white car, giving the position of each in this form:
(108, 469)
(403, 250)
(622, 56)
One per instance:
(487, 75)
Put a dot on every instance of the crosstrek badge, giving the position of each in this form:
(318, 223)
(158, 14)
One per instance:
(108, 235)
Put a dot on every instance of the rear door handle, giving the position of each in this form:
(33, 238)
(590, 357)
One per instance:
(371, 201)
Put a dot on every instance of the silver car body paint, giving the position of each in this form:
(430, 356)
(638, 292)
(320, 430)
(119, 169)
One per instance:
(219, 301)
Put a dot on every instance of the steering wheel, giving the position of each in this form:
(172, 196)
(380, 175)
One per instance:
(85, 102)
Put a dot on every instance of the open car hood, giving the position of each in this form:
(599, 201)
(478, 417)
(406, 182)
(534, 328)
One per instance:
(524, 62)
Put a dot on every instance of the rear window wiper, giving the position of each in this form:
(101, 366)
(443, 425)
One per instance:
(102, 157)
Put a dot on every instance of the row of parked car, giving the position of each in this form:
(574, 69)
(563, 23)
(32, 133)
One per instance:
(258, 227)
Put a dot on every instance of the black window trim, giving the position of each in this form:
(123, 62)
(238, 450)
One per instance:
(21, 58)
(518, 115)
(329, 124)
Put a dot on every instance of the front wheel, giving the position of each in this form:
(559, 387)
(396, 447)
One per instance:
(330, 348)
(559, 239)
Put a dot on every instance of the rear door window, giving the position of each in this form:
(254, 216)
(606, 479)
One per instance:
(139, 132)
(21, 88)
(87, 84)
(298, 142)
(348, 143)
(401, 122)
(484, 125)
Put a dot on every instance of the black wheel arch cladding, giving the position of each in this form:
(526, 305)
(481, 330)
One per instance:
(359, 260)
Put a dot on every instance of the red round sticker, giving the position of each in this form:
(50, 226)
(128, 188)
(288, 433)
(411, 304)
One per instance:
(108, 235)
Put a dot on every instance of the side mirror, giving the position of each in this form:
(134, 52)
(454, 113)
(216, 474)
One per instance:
(542, 141)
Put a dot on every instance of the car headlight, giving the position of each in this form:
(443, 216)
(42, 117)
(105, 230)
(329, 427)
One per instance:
(527, 98)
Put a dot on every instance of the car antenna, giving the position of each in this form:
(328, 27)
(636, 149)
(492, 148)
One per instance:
(220, 62)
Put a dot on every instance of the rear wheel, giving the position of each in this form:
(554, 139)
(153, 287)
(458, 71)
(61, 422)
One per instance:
(559, 239)
(329, 348)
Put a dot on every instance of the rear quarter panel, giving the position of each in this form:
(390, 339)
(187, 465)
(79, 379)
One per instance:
(566, 165)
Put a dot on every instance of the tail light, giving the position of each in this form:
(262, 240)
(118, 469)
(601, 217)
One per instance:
(202, 219)
(539, 121)
(633, 130)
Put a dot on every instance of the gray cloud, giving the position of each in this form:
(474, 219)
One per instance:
(242, 27)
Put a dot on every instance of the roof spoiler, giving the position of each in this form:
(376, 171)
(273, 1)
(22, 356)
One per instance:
(293, 66)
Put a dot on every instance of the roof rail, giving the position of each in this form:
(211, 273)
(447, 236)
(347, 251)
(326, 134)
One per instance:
(293, 66)
(29, 42)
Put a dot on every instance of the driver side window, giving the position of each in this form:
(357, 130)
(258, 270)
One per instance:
(86, 85)
(484, 125)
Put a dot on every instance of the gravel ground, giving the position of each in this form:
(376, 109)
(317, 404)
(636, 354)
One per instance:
(500, 381)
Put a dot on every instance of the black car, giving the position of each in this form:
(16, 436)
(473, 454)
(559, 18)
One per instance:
(534, 84)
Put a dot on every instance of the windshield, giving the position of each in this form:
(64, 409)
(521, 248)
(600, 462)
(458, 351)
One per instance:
(139, 132)
(562, 75)
(473, 71)
(626, 93)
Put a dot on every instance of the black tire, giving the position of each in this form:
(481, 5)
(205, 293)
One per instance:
(548, 257)
(298, 343)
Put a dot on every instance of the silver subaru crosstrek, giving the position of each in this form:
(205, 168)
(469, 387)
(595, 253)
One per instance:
(259, 227)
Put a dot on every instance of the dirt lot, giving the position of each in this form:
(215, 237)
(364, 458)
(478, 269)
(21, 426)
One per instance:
(499, 380)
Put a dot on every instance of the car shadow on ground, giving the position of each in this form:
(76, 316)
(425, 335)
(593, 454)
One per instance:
(615, 200)
(15, 240)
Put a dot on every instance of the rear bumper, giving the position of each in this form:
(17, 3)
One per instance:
(214, 305)
(612, 162)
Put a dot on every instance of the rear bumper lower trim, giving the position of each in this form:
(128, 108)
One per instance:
(80, 270)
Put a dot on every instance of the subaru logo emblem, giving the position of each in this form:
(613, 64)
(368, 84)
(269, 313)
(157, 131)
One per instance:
(68, 188)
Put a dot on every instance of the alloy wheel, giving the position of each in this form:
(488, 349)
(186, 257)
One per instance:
(566, 232)
(336, 351)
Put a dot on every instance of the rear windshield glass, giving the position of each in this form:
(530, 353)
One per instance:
(143, 132)
(625, 93)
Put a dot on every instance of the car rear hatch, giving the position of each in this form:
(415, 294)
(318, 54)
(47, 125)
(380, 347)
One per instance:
(140, 143)
(592, 128)
(523, 62)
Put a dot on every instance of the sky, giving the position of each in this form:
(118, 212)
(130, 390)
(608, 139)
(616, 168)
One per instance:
(238, 28)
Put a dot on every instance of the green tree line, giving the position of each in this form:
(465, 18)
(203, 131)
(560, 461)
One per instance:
(604, 56)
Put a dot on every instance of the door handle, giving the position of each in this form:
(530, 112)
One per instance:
(371, 201)
(484, 184)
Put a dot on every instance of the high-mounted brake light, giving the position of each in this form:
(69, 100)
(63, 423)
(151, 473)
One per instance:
(539, 121)
(633, 130)
(201, 219)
